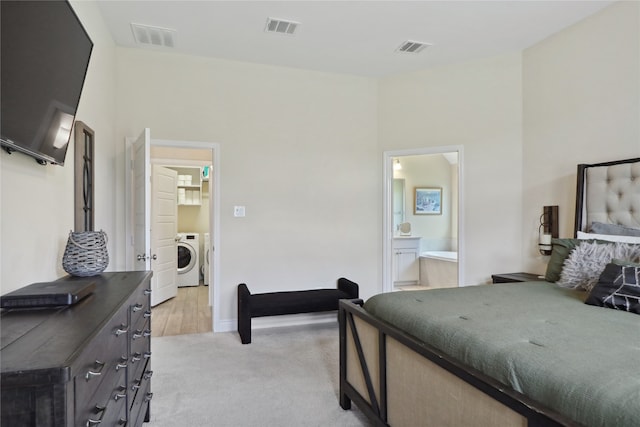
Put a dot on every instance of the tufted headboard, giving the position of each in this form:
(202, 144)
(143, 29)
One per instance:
(608, 192)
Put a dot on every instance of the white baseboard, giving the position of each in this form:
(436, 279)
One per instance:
(231, 325)
(227, 325)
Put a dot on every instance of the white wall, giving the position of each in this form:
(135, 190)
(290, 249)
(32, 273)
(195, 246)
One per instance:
(298, 149)
(37, 201)
(476, 105)
(581, 105)
(195, 219)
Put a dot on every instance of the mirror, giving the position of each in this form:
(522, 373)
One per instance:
(398, 203)
(405, 229)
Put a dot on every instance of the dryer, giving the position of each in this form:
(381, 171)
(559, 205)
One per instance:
(205, 264)
(188, 259)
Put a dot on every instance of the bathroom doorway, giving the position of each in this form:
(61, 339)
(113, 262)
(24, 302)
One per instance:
(423, 208)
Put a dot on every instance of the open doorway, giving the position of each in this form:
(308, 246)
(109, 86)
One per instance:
(423, 208)
(188, 312)
(139, 254)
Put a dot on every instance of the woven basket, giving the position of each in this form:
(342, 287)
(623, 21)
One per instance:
(86, 253)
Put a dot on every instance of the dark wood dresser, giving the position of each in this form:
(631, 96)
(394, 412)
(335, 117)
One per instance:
(84, 365)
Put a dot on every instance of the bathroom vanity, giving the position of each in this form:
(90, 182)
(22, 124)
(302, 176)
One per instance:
(406, 267)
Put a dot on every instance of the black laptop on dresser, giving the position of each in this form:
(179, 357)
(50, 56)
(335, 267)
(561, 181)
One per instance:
(48, 294)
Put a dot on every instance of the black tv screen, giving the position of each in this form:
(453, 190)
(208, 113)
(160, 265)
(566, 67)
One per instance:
(44, 55)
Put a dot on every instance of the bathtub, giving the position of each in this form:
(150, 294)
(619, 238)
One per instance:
(439, 269)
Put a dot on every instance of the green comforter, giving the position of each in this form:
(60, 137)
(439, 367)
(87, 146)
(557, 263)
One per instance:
(541, 340)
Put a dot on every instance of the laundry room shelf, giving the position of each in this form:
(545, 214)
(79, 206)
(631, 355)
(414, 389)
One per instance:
(189, 185)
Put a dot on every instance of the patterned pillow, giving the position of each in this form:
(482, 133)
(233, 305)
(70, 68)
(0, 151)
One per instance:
(585, 263)
(618, 287)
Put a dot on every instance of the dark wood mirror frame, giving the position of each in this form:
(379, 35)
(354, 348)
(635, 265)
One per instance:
(84, 177)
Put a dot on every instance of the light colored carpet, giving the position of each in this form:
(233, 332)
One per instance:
(286, 377)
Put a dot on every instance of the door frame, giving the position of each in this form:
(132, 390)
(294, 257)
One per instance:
(387, 216)
(214, 213)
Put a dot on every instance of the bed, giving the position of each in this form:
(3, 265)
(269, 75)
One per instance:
(514, 354)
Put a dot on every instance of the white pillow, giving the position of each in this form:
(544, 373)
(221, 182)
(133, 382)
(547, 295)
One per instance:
(609, 237)
(585, 263)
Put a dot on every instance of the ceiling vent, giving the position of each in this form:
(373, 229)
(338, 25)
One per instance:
(154, 36)
(281, 26)
(412, 47)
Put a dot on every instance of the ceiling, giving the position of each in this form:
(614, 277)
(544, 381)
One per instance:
(352, 37)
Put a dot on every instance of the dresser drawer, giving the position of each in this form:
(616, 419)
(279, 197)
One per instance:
(122, 417)
(140, 307)
(106, 405)
(142, 396)
(140, 336)
(139, 382)
(140, 351)
(102, 360)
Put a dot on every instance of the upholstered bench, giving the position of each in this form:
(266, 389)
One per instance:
(289, 302)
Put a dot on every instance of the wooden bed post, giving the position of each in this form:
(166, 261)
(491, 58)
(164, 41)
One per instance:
(579, 206)
(345, 402)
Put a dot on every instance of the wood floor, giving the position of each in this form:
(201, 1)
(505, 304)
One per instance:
(187, 313)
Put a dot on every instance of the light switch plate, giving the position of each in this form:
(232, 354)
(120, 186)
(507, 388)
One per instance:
(238, 211)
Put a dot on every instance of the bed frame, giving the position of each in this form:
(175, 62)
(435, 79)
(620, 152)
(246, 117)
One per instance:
(398, 380)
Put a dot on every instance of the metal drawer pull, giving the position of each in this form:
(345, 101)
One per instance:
(135, 357)
(120, 395)
(147, 291)
(122, 363)
(123, 329)
(90, 374)
(122, 421)
(147, 314)
(147, 354)
(137, 307)
(147, 375)
(136, 385)
(148, 397)
(139, 334)
(97, 410)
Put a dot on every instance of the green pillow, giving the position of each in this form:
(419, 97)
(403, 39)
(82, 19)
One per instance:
(561, 248)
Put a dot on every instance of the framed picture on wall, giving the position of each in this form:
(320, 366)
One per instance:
(428, 201)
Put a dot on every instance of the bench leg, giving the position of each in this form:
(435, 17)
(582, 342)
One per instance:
(244, 314)
(244, 329)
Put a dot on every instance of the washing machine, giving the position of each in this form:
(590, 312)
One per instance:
(207, 258)
(188, 259)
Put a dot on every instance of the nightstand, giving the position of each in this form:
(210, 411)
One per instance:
(515, 277)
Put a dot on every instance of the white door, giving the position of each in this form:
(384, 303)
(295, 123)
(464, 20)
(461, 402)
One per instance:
(140, 199)
(164, 228)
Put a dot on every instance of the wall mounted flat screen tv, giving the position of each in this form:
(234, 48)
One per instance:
(44, 55)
